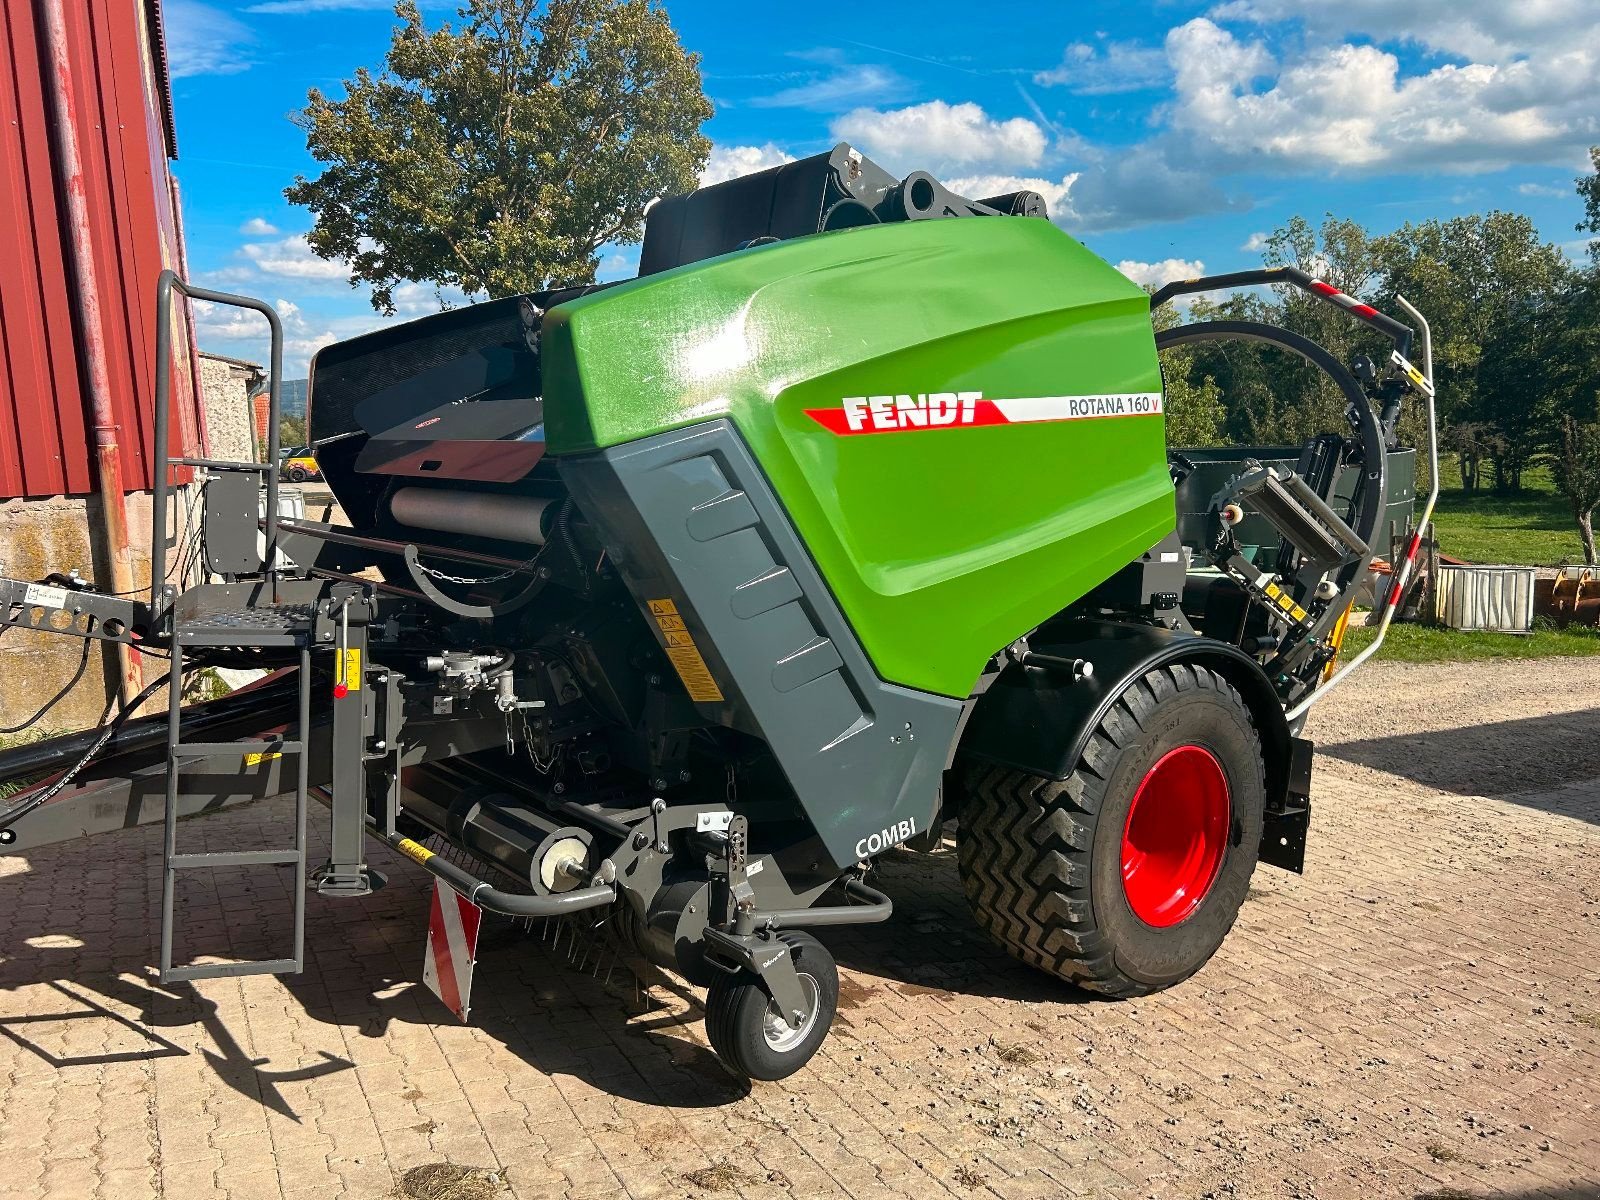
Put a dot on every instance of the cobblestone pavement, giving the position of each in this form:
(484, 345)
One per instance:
(1418, 1016)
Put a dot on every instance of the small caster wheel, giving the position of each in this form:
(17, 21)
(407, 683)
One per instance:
(751, 1036)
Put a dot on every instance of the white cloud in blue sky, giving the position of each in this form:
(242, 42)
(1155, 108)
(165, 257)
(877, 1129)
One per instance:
(202, 40)
(1165, 135)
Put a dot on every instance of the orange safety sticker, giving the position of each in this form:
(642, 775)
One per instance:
(684, 654)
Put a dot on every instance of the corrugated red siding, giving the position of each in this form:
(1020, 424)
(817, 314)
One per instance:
(46, 442)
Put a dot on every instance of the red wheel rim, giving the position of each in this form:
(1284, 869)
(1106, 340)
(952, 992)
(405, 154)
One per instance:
(1175, 836)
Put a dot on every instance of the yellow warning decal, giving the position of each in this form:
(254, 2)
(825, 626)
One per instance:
(685, 655)
(352, 670)
(1285, 601)
(414, 850)
(256, 757)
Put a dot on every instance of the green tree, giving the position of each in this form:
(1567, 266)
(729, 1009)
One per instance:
(1193, 406)
(1490, 288)
(500, 154)
(1269, 396)
(1578, 473)
(1589, 190)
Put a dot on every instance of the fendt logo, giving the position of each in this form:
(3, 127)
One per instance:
(947, 410)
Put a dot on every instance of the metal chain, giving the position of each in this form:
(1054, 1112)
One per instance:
(520, 568)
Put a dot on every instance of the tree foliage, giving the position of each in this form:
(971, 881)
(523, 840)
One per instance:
(1578, 473)
(498, 154)
(1508, 339)
(1589, 190)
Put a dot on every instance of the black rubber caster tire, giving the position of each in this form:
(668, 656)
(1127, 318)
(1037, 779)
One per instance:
(740, 1022)
(298, 475)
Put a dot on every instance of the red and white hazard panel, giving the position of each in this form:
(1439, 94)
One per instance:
(453, 922)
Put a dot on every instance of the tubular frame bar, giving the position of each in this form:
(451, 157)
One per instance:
(875, 907)
(162, 461)
(1396, 332)
(1402, 571)
(481, 893)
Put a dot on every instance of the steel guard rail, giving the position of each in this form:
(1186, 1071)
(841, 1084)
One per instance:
(1396, 332)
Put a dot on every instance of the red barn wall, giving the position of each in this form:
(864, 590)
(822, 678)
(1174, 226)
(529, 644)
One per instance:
(46, 440)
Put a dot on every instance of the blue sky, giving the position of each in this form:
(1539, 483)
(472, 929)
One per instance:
(1166, 135)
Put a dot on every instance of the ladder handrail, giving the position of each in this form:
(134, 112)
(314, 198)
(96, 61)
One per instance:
(162, 462)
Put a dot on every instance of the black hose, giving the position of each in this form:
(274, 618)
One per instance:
(10, 816)
(83, 665)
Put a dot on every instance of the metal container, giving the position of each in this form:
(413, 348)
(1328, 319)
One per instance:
(1496, 599)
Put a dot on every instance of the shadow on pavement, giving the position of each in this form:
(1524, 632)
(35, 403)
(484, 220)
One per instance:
(1555, 766)
(564, 1004)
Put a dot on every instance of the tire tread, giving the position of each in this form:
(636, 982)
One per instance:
(1026, 842)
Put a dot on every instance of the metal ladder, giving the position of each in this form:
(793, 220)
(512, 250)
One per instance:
(178, 752)
(218, 615)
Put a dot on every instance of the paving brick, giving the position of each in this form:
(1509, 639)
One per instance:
(1415, 1013)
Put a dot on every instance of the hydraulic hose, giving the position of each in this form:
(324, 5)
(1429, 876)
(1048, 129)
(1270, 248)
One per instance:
(83, 665)
(10, 816)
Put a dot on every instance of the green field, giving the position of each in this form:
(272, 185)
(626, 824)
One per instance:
(1425, 644)
(1533, 528)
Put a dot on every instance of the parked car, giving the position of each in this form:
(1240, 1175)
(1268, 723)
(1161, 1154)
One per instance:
(297, 465)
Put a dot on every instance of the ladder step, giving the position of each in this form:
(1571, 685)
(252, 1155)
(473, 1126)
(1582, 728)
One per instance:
(235, 858)
(270, 966)
(241, 749)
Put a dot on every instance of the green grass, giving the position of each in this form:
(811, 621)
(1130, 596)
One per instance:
(1533, 528)
(10, 787)
(1427, 644)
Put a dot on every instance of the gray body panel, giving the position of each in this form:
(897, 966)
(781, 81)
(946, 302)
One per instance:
(689, 516)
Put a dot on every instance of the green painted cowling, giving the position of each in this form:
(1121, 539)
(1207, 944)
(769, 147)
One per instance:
(961, 417)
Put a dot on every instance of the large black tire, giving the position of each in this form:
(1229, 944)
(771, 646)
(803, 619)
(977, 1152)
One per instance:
(1042, 861)
(738, 1010)
(297, 474)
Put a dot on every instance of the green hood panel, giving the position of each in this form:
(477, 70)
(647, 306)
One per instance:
(971, 521)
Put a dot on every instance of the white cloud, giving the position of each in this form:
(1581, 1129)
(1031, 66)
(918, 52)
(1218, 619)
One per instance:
(730, 162)
(258, 227)
(292, 257)
(618, 263)
(1114, 67)
(939, 137)
(1057, 193)
(848, 84)
(1540, 189)
(423, 299)
(202, 40)
(1255, 243)
(1353, 108)
(1482, 30)
(1156, 273)
(1293, 102)
(1144, 184)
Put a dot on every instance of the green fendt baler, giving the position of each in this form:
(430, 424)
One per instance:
(669, 605)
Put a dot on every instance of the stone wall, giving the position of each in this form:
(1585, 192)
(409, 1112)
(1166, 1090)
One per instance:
(53, 534)
(225, 384)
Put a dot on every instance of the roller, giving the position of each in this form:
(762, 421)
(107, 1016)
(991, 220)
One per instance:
(474, 514)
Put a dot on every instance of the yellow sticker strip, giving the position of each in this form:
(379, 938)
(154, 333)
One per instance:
(352, 670)
(256, 757)
(415, 851)
(1285, 601)
(685, 655)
